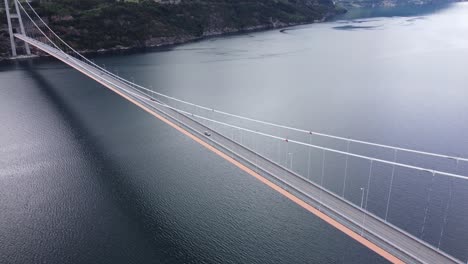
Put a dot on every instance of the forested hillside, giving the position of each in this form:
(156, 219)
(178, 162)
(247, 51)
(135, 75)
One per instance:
(108, 24)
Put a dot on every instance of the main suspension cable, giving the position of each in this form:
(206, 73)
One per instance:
(223, 112)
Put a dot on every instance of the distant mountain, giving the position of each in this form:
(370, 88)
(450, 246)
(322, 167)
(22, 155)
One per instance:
(109, 24)
(386, 3)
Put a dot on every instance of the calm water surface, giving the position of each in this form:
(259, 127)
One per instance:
(86, 177)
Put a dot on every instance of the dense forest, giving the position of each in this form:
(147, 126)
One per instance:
(4, 38)
(110, 24)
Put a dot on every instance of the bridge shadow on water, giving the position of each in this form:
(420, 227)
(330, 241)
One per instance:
(152, 243)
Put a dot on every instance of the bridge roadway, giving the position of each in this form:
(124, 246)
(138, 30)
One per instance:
(389, 241)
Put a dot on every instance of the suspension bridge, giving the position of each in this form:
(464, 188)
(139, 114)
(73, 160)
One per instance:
(226, 134)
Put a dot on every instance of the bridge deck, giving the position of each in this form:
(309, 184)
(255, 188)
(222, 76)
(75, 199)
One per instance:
(373, 232)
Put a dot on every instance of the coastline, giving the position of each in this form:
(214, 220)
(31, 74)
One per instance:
(180, 40)
(165, 43)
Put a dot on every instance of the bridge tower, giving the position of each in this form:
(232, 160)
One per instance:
(12, 29)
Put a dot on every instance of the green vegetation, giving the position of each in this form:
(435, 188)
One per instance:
(4, 38)
(105, 24)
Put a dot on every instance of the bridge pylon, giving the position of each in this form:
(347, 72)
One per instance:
(12, 17)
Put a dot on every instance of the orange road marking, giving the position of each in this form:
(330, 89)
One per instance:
(275, 187)
(262, 179)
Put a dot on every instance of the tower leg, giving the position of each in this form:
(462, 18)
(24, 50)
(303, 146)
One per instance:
(10, 29)
(28, 50)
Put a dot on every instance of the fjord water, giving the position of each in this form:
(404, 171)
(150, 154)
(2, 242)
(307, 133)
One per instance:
(86, 177)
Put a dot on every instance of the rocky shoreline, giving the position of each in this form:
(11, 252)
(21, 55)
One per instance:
(169, 42)
(103, 27)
